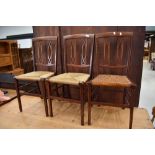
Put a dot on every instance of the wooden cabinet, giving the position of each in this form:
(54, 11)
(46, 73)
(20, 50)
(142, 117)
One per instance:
(9, 57)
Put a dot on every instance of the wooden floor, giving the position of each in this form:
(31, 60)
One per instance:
(67, 115)
(11, 93)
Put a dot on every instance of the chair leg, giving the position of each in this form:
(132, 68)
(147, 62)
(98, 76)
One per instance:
(39, 89)
(49, 92)
(57, 91)
(42, 81)
(89, 103)
(82, 102)
(124, 97)
(18, 95)
(68, 90)
(131, 117)
(63, 91)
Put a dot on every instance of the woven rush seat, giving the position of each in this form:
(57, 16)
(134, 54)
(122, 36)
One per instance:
(70, 78)
(36, 75)
(112, 80)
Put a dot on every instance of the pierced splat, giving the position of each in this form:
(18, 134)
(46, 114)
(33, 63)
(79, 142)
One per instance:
(39, 52)
(45, 51)
(73, 52)
(51, 52)
(78, 49)
(84, 53)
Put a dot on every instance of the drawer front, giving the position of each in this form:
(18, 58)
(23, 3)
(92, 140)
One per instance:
(5, 60)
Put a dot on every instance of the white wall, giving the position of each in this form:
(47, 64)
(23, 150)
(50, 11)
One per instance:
(25, 43)
(150, 28)
(16, 30)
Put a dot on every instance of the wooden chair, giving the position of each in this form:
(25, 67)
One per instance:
(78, 55)
(115, 50)
(45, 64)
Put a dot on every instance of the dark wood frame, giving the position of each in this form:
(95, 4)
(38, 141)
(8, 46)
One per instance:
(135, 72)
(81, 85)
(41, 83)
(90, 85)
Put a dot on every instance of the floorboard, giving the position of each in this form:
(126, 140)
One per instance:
(67, 115)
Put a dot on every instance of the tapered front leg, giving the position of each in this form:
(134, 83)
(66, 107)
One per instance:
(44, 96)
(49, 92)
(131, 118)
(82, 102)
(89, 103)
(18, 94)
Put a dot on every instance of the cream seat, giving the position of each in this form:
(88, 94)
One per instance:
(35, 76)
(70, 78)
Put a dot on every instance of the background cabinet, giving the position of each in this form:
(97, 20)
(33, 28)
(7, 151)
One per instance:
(9, 63)
(9, 57)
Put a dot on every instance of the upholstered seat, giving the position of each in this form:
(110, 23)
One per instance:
(70, 78)
(36, 75)
(111, 80)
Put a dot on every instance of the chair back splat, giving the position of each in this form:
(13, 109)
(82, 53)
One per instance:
(78, 53)
(45, 53)
(115, 48)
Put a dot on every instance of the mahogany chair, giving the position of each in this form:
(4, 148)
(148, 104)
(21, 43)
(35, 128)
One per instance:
(78, 55)
(45, 65)
(113, 50)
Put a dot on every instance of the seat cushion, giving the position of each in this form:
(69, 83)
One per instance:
(70, 78)
(36, 75)
(112, 81)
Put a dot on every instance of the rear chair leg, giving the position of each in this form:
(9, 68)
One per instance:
(44, 96)
(89, 104)
(39, 89)
(18, 94)
(124, 97)
(49, 92)
(131, 118)
(82, 102)
(57, 90)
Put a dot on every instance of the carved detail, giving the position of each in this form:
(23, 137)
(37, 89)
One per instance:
(84, 53)
(106, 52)
(51, 51)
(39, 52)
(120, 50)
(73, 52)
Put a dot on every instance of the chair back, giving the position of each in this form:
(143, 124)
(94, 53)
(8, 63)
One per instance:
(78, 53)
(45, 51)
(113, 50)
